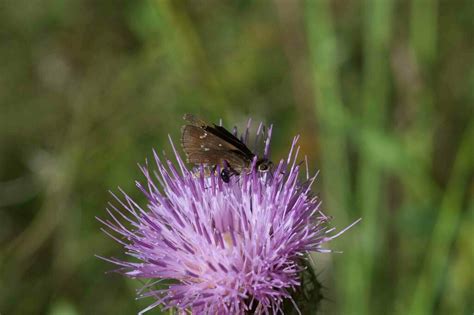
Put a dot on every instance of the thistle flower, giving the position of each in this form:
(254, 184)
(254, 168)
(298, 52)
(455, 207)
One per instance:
(226, 248)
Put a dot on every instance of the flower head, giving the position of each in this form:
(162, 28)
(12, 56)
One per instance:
(225, 248)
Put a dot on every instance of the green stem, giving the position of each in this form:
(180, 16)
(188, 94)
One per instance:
(333, 124)
(374, 104)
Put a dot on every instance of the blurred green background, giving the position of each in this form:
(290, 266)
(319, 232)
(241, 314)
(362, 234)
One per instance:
(380, 91)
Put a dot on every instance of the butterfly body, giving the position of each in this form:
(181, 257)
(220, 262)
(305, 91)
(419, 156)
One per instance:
(213, 145)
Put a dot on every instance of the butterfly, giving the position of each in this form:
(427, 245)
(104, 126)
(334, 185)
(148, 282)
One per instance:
(213, 145)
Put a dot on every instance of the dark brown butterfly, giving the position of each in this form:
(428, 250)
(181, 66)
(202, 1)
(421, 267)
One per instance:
(213, 145)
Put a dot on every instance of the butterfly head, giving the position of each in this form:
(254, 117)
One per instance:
(264, 165)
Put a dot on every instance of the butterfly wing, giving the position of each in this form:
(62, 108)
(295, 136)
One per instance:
(203, 145)
(220, 132)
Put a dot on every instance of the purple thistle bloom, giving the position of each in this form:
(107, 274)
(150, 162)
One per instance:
(226, 248)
